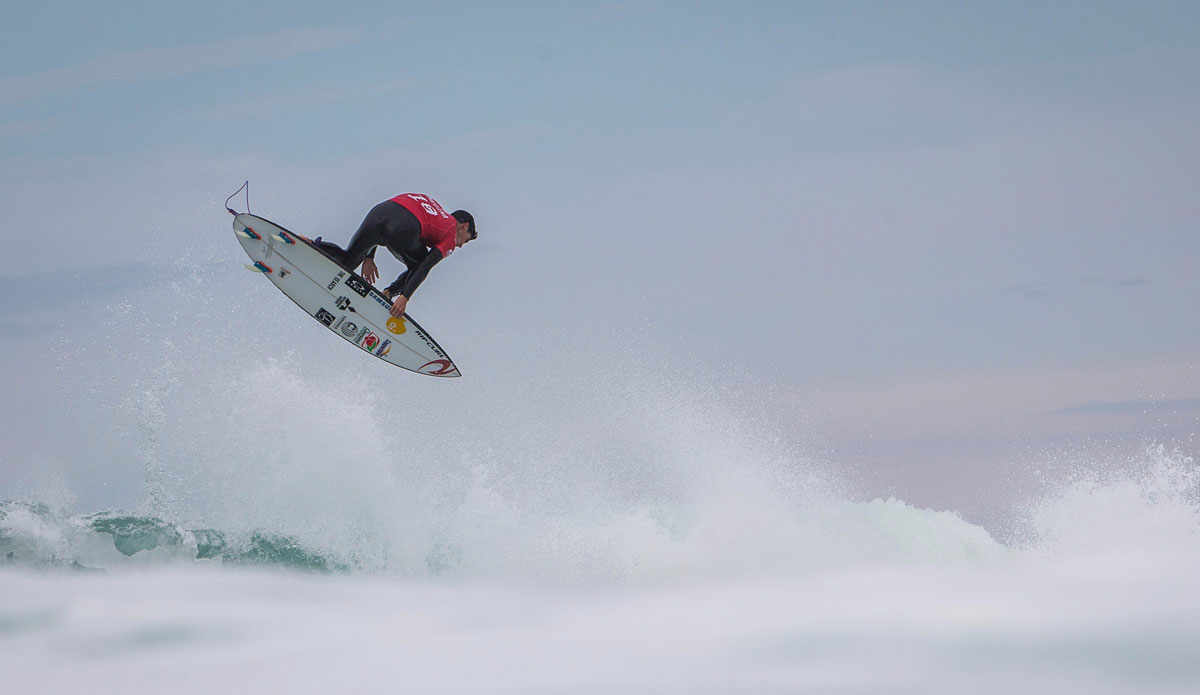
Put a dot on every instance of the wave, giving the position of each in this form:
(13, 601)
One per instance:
(733, 524)
(32, 536)
(635, 546)
(595, 461)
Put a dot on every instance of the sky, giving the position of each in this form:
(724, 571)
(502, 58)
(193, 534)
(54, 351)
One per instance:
(943, 242)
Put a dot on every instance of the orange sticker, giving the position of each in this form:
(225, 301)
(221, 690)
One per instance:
(396, 326)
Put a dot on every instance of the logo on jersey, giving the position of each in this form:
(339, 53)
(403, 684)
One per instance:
(396, 326)
(357, 285)
(324, 317)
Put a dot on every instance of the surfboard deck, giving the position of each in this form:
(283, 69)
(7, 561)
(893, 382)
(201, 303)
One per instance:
(339, 299)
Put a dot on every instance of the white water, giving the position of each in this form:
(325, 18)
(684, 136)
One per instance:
(594, 527)
(749, 595)
(1095, 618)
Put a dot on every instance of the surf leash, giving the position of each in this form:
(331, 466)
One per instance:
(245, 187)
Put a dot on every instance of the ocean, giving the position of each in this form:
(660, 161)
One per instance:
(225, 499)
(756, 588)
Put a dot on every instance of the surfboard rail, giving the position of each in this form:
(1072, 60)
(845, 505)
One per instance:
(339, 298)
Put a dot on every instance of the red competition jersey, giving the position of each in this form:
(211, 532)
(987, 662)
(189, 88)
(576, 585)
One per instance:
(437, 226)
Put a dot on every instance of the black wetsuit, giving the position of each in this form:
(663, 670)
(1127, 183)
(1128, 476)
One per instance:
(391, 225)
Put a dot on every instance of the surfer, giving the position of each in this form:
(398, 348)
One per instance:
(416, 230)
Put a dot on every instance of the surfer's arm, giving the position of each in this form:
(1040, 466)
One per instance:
(410, 280)
(394, 288)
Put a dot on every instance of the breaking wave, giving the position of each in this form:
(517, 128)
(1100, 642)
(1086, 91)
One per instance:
(733, 524)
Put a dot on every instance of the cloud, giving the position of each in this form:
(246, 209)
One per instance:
(1006, 403)
(33, 293)
(1046, 288)
(623, 10)
(20, 129)
(173, 61)
(1131, 407)
(1114, 283)
(1033, 289)
(42, 303)
(292, 101)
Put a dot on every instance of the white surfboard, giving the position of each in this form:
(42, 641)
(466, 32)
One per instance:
(339, 299)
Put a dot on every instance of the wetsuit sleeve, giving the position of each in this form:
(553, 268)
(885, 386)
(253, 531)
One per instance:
(410, 280)
(393, 288)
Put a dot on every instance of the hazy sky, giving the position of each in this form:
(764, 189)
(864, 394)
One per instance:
(934, 233)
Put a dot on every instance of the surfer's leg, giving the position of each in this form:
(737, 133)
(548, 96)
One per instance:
(333, 250)
(369, 235)
(402, 232)
(402, 237)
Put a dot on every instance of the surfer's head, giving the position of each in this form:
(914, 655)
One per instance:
(466, 227)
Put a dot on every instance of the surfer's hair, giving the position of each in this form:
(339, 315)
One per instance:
(464, 216)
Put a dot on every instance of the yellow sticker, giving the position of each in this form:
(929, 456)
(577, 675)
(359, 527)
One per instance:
(396, 325)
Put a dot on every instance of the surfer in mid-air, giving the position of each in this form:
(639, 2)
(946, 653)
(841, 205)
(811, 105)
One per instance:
(417, 231)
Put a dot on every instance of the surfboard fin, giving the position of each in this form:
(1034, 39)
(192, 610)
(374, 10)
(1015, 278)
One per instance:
(259, 267)
(280, 236)
(248, 233)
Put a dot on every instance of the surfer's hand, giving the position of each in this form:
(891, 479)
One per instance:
(370, 272)
(399, 305)
(387, 293)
